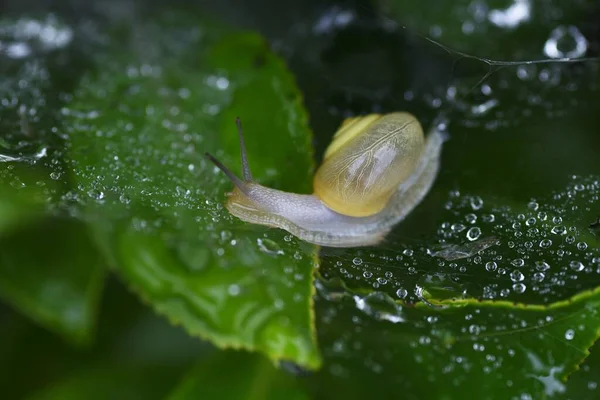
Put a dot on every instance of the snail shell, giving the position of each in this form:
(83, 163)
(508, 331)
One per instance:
(366, 161)
(377, 169)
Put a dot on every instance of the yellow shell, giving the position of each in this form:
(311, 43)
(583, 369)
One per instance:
(367, 160)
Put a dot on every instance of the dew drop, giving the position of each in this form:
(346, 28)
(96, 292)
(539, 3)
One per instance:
(488, 218)
(379, 306)
(458, 227)
(519, 288)
(471, 218)
(538, 276)
(473, 233)
(517, 276)
(542, 266)
(233, 289)
(518, 262)
(476, 203)
(474, 329)
(269, 246)
(569, 334)
(565, 41)
(576, 266)
(96, 194)
(491, 266)
(124, 199)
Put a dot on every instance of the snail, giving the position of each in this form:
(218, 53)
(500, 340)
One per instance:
(376, 170)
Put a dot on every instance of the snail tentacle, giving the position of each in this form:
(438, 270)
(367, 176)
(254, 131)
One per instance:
(240, 184)
(245, 165)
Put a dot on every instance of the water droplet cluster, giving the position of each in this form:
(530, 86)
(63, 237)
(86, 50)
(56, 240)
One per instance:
(535, 253)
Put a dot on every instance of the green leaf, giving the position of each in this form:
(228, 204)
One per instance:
(21, 200)
(49, 269)
(138, 131)
(26, 118)
(583, 383)
(110, 382)
(52, 272)
(518, 350)
(240, 376)
(509, 296)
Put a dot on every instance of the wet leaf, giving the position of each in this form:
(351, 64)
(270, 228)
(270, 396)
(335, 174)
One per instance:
(543, 251)
(52, 272)
(238, 375)
(518, 350)
(583, 383)
(138, 131)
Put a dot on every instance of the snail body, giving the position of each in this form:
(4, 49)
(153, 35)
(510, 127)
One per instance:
(377, 169)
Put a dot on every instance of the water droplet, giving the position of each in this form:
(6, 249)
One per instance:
(569, 334)
(519, 288)
(476, 203)
(576, 266)
(402, 293)
(357, 261)
(458, 227)
(582, 246)
(473, 233)
(124, 199)
(379, 306)
(542, 266)
(367, 274)
(542, 216)
(565, 41)
(424, 340)
(559, 230)
(471, 218)
(517, 276)
(474, 329)
(268, 246)
(545, 243)
(518, 262)
(234, 289)
(488, 218)
(226, 235)
(538, 276)
(96, 194)
(491, 266)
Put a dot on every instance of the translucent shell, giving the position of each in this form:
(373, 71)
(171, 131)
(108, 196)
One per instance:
(366, 162)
